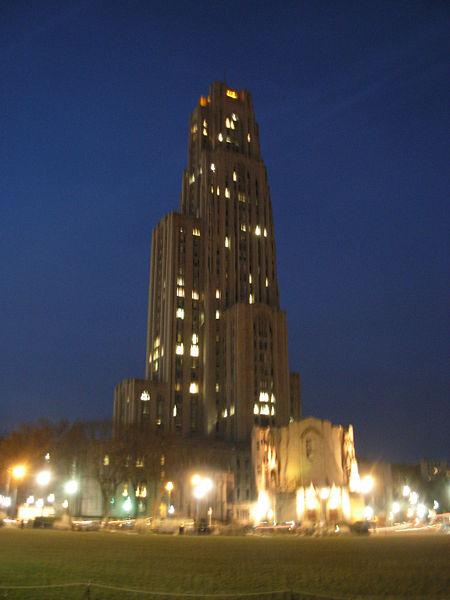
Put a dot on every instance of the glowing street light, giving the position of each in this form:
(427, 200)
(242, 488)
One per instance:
(71, 487)
(413, 498)
(368, 513)
(202, 485)
(43, 478)
(395, 508)
(421, 511)
(367, 484)
(19, 471)
(169, 487)
(127, 505)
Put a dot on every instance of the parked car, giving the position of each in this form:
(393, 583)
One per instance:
(85, 524)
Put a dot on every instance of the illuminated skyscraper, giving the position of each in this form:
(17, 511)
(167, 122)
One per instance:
(217, 351)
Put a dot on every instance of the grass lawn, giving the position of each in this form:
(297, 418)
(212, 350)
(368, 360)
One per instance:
(395, 567)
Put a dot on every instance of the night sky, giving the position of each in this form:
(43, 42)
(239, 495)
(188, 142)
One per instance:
(352, 101)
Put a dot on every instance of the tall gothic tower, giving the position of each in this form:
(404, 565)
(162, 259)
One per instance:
(217, 352)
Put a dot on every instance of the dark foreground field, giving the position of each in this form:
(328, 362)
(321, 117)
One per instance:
(395, 567)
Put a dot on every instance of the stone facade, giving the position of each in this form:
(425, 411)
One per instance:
(307, 471)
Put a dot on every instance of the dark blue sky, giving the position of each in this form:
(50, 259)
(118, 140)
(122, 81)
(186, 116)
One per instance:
(352, 101)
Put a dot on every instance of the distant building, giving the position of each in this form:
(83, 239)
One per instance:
(217, 363)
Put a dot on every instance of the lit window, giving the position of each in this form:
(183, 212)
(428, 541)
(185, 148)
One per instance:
(250, 278)
(179, 349)
(264, 409)
(217, 294)
(227, 193)
(243, 227)
(156, 354)
(178, 387)
(155, 365)
(242, 197)
(180, 280)
(228, 139)
(227, 123)
(255, 409)
(231, 410)
(267, 282)
(180, 292)
(263, 397)
(192, 178)
(272, 411)
(194, 350)
(234, 176)
(156, 342)
(220, 137)
(265, 232)
(213, 167)
(180, 313)
(106, 460)
(251, 299)
(174, 410)
(272, 398)
(249, 139)
(196, 231)
(217, 387)
(205, 131)
(193, 387)
(195, 295)
(233, 116)
(232, 125)
(194, 338)
(145, 396)
(205, 123)
(217, 314)
(257, 230)
(225, 413)
(232, 94)
(194, 128)
(227, 242)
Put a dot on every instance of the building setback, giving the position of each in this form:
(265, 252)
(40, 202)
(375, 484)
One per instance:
(217, 349)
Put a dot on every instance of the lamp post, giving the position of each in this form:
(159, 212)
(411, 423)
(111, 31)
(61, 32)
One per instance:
(367, 485)
(16, 473)
(71, 488)
(201, 487)
(169, 488)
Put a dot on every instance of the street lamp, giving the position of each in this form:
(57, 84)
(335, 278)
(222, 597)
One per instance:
(368, 513)
(71, 487)
(367, 484)
(201, 487)
(43, 478)
(169, 487)
(17, 472)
